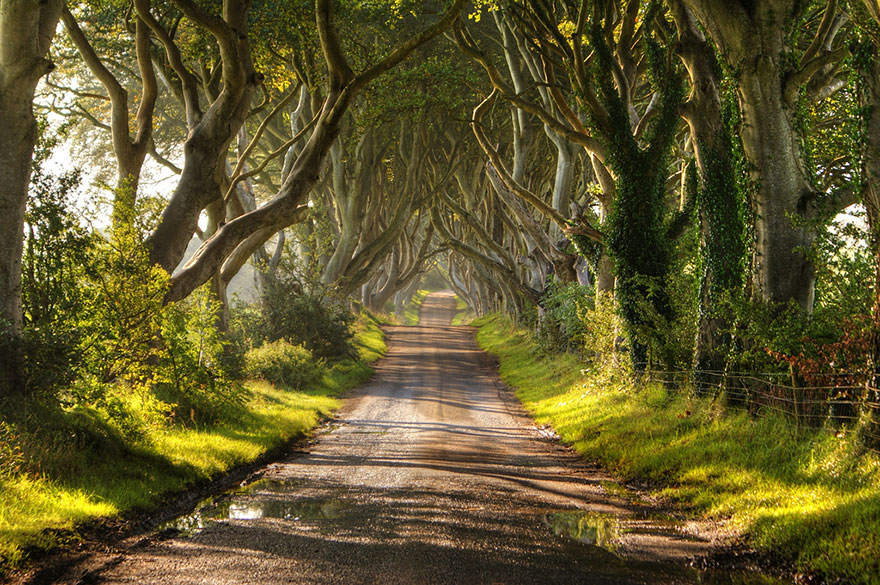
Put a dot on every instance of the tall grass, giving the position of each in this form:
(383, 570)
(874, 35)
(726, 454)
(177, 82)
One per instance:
(811, 498)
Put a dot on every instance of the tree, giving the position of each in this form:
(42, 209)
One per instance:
(26, 31)
(774, 75)
(343, 84)
(129, 148)
(720, 200)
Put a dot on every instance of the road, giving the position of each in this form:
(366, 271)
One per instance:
(430, 473)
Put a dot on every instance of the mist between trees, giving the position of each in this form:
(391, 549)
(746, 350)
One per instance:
(681, 165)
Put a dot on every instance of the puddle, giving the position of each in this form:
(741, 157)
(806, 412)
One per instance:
(293, 510)
(605, 531)
(591, 528)
(236, 505)
(274, 486)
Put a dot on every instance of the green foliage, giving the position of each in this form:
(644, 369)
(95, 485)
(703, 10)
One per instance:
(47, 359)
(11, 457)
(63, 466)
(284, 364)
(194, 374)
(431, 84)
(123, 318)
(843, 265)
(286, 311)
(324, 328)
(603, 346)
(562, 327)
(637, 233)
(97, 337)
(58, 256)
(722, 200)
(58, 252)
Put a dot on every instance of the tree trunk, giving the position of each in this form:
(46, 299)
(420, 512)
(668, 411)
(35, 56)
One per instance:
(199, 186)
(782, 269)
(605, 272)
(563, 180)
(871, 199)
(752, 38)
(721, 229)
(26, 31)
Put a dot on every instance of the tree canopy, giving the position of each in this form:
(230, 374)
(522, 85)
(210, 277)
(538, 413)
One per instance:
(688, 157)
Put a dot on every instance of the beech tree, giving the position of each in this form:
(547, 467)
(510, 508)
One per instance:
(26, 31)
(343, 84)
(720, 201)
(773, 78)
(130, 149)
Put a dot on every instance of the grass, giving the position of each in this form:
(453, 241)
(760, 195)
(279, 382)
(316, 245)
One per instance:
(811, 498)
(411, 311)
(463, 316)
(106, 475)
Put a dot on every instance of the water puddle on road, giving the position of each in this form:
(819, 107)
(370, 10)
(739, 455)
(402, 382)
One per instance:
(238, 505)
(591, 528)
(606, 531)
(599, 534)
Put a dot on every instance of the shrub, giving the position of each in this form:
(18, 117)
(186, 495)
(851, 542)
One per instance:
(561, 327)
(324, 328)
(604, 343)
(285, 311)
(284, 364)
(195, 373)
(44, 358)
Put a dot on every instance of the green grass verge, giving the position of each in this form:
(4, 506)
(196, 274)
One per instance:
(411, 312)
(112, 476)
(463, 316)
(810, 498)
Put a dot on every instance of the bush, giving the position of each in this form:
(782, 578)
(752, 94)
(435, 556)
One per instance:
(44, 360)
(195, 373)
(604, 344)
(284, 364)
(285, 311)
(561, 327)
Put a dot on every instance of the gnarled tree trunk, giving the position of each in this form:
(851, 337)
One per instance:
(752, 38)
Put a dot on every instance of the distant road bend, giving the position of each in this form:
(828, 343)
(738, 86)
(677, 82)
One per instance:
(429, 474)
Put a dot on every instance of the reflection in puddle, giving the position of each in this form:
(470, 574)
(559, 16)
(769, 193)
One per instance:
(236, 505)
(606, 531)
(271, 485)
(587, 527)
(286, 510)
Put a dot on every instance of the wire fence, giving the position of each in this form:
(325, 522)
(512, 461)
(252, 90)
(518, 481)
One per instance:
(836, 403)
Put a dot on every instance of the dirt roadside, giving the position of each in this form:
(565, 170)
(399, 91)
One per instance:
(431, 473)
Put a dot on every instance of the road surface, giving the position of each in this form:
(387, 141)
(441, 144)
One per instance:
(429, 474)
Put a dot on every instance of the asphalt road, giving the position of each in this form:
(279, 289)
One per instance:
(429, 474)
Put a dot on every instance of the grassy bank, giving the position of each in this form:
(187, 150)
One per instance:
(463, 315)
(49, 485)
(811, 498)
(411, 311)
